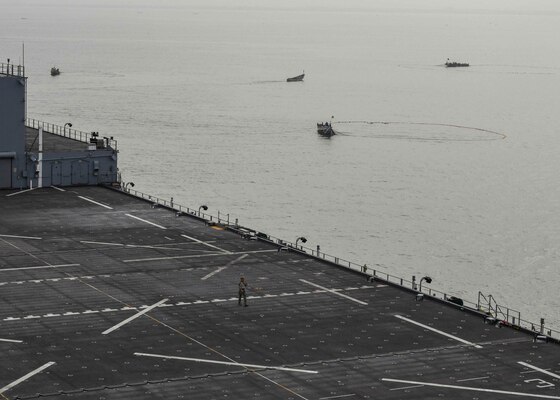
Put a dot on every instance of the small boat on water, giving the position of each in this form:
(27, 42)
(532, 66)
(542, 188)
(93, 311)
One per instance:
(454, 64)
(55, 71)
(325, 129)
(298, 78)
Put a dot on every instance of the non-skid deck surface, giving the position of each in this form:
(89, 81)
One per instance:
(103, 296)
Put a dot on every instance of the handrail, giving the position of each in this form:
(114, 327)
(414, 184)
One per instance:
(485, 304)
(12, 70)
(69, 133)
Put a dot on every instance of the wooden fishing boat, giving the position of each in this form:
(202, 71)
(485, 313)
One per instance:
(298, 78)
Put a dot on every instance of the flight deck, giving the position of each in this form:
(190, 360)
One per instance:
(107, 296)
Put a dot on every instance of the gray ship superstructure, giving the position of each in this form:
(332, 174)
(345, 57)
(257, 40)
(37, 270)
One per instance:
(36, 154)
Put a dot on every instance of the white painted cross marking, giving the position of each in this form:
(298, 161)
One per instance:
(145, 221)
(126, 321)
(474, 389)
(226, 363)
(206, 244)
(544, 371)
(27, 376)
(95, 202)
(440, 332)
(224, 267)
(335, 292)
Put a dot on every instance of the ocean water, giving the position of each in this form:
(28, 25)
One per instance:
(451, 173)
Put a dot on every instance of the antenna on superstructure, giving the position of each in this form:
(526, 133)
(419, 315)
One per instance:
(23, 73)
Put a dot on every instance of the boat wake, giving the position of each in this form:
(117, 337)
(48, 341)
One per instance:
(418, 131)
(265, 82)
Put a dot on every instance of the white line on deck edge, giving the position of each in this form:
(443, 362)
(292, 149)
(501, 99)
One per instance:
(477, 346)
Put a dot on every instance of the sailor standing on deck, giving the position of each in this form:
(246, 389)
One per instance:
(242, 291)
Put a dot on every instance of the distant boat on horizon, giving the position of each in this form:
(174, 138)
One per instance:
(55, 71)
(453, 64)
(298, 78)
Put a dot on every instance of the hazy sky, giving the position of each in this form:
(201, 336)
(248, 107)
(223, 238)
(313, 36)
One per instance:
(507, 6)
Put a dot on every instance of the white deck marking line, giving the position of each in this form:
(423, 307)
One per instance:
(305, 371)
(544, 371)
(337, 397)
(224, 267)
(177, 304)
(11, 340)
(143, 246)
(39, 267)
(156, 246)
(57, 188)
(206, 244)
(472, 379)
(147, 222)
(407, 387)
(440, 332)
(126, 321)
(105, 243)
(160, 247)
(474, 389)
(21, 237)
(21, 191)
(95, 202)
(27, 376)
(335, 292)
(196, 256)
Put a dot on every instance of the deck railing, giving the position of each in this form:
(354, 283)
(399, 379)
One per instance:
(68, 132)
(12, 70)
(485, 304)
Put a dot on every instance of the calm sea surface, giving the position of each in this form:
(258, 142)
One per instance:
(461, 184)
